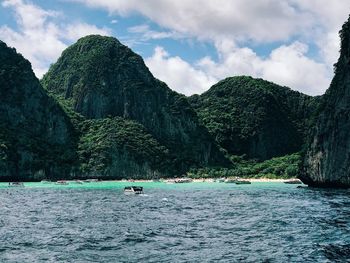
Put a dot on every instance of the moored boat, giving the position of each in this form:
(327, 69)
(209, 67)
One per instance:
(16, 184)
(78, 181)
(242, 182)
(182, 180)
(91, 180)
(156, 180)
(45, 181)
(293, 181)
(220, 180)
(133, 190)
(230, 181)
(61, 182)
(237, 180)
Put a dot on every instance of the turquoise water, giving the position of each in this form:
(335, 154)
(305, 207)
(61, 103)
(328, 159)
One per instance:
(195, 222)
(149, 185)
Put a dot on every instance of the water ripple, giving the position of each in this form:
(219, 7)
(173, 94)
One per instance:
(259, 223)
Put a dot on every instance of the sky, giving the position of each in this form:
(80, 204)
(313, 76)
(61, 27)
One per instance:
(191, 44)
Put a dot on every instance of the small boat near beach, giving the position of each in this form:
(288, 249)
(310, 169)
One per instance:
(182, 180)
(61, 182)
(156, 181)
(133, 190)
(45, 181)
(91, 180)
(230, 181)
(78, 182)
(293, 181)
(242, 182)
(236, 180)
(16, 184)
(220, 180)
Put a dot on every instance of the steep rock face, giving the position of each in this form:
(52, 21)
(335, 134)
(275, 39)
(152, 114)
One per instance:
(116, 148)
(327, 159)
(255, 117)
(36, 137)
(103, 78)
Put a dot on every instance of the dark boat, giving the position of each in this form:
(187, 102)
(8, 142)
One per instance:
(182, 180)
(133, 190)
(242, 182)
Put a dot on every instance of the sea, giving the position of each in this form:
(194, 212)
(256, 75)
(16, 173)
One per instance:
(190, 222)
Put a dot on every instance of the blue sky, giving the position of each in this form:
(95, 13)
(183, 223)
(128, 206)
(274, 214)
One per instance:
(191, 44)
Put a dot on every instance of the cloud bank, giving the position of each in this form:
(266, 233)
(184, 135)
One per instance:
(298, 23)
(304, 35)
(42, 35)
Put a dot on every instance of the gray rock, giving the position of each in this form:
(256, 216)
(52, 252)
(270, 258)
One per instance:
(327, 159)
(35, 133)
(104, 78)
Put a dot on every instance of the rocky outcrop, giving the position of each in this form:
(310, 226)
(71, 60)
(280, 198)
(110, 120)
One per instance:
(327, 159)
(116, 148)
(102, 78)
(36, 137)
(255, 117)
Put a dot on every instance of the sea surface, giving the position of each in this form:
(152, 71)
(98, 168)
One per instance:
(195, 222)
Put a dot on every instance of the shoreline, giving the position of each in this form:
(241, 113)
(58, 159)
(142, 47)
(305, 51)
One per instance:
(207, 180)
(167, 180)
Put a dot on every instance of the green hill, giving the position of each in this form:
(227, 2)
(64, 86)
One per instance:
(254, 117)
(100, 78)
(102, 114)
(37, 139)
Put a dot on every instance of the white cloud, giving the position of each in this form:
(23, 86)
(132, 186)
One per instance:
(41, 35)
(329, 45)
(289, 65)
(139, 29)
(77, 30)
(229, 25)
(146, 33)
(264, 20)
(329, 16)
(286, 65)
(177, 73)
(315, 22)
(38, 38)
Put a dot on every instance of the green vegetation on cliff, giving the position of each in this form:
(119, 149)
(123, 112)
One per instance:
(102, 114)
(36, 136)
(116, 148)
(255, 117)
(278, 167)
(119, 148)
(100, 78)
(327, 157)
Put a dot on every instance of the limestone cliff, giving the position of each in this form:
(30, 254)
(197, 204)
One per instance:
(327, 159)
(36, 136)
(102, 78)
(116, 148)
(255, 117)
